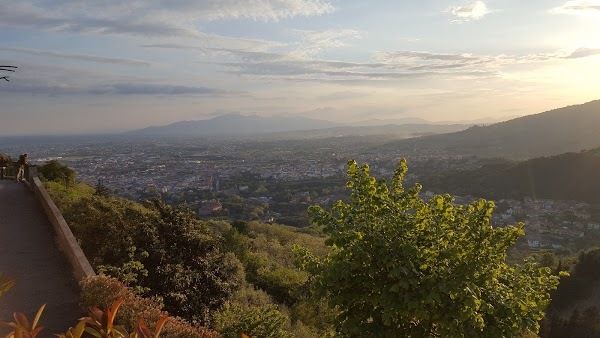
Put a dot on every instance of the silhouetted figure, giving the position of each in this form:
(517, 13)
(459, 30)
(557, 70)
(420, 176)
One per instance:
(21, 163)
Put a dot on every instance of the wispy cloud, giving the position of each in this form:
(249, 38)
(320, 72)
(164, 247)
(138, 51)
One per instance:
(385, 66)
(148, 18)
(39, 79)
(469, 11)
(219, 41)
(581, 7)
(80, 57)
(315, 42)
(286, 66)
(307, 44)
(154, 89)
(583, 52)
(31, 87)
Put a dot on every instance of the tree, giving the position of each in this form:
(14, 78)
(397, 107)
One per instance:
(401, 266)
(159, 249)
(57, 172)
(101, 189)
(188, 271)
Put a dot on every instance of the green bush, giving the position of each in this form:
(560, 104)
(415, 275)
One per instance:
(263, 322)
(102, 291)
(401, 266)
(161, 250)
(55, 171)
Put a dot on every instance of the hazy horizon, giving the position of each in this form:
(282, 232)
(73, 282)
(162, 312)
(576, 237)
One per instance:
(88, 67)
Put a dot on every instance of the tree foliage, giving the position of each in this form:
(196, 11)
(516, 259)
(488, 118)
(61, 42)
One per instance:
(574, 308)
(401, 266)
(102, 291)
(57, 172)
(535, 178)
(161, 250)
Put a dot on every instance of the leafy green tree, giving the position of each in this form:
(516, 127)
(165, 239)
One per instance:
(252, 312)
(160, 250)
(187, 268)
(265, 322)
(57, 172)
(401, 266)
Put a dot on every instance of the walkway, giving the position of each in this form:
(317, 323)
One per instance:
(29, 255)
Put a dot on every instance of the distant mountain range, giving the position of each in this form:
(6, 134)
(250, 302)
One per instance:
(245, 125)
(570, 176)
(554, 132)
(236, 125)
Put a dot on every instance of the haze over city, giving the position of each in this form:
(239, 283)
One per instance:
(88, 66)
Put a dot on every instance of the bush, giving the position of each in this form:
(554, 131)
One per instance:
(404, 266)
(102, 291)
(161, 250)
(55, 171)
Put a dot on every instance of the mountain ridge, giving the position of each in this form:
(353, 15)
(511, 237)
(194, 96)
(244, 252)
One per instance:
(238, 124)
(235, 124)
(561, 130)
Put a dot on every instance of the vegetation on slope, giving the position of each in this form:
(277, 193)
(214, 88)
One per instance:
(402, 266)
(570, 176)
(233, 278)
(575, 307)
(392, 262)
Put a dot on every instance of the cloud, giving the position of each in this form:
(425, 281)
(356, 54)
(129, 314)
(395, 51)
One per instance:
(385, 66)
(580, 7)
(148, 18)
(583, 52)
(315, 42)
(154, 89)
(39, 79)
(45, 88)
(309, 43)
(288, 66)
(219, 41)
(469, 12)
(80, 57)
(345, 95)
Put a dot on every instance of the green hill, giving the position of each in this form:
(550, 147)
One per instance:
(570, 176)
(568, 129)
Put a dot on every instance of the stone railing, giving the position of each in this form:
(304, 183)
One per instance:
(8, 169)
(66, 240)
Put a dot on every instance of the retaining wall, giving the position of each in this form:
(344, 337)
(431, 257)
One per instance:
(66, 240)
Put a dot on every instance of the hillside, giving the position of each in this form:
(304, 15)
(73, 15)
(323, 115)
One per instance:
(568, 129)
(570, 176)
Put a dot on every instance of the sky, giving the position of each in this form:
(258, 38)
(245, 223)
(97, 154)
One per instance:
(99, 66)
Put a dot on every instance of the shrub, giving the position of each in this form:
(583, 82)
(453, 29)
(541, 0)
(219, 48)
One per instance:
(57, 172)
(102, 291)
(404, 266)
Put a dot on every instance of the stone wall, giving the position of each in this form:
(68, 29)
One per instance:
(67, 242)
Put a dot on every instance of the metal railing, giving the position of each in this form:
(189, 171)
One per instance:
(10, 169)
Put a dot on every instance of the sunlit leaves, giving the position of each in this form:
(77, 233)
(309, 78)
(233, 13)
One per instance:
(5, 285)
(22, 328)
(404, 266)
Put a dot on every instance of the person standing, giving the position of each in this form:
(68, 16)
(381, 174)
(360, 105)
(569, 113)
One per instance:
(22, 162)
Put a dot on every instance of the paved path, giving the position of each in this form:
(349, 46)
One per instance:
(30, 256)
